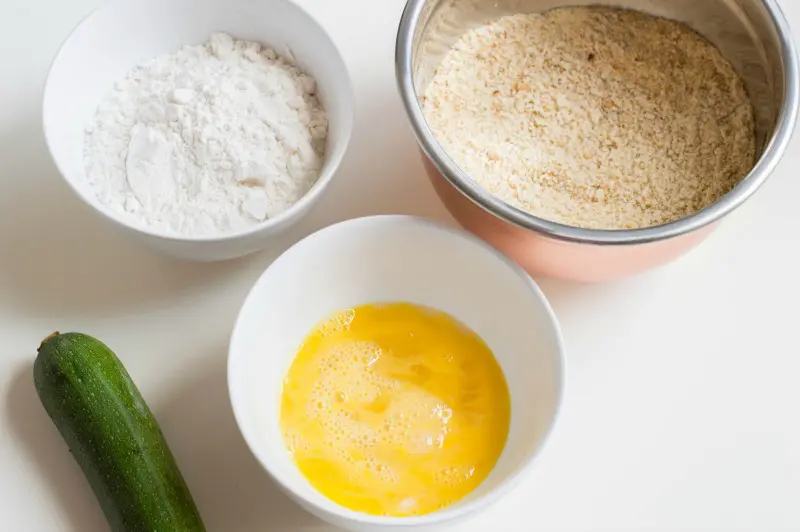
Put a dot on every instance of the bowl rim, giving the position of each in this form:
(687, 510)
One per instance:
(766, 164)
(236, 353)
(330, 165)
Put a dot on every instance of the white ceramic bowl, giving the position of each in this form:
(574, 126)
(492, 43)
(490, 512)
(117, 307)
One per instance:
(395, 258)
(125, 33)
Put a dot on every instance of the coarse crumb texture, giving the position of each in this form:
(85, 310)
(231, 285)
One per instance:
(208, 140)
(593, 117)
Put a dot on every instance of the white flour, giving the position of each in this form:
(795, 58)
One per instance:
(209, 140)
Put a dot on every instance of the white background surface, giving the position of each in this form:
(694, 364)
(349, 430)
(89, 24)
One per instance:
(683, 395)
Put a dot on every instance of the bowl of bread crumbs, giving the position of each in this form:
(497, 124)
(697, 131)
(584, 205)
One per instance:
(594, 142)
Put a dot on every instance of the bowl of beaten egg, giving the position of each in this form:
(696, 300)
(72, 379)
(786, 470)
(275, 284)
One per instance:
(391, 372)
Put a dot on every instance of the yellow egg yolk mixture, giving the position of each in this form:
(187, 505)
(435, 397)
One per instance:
(394, 409)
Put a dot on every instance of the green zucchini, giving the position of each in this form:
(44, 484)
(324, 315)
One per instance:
(113, 436)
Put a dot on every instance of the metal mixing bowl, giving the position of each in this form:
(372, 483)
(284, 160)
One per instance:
(752, 34)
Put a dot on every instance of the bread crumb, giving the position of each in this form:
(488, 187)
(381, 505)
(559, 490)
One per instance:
(594, 117)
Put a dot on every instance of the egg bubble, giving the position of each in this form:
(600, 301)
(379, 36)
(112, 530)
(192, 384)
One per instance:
(336, 324)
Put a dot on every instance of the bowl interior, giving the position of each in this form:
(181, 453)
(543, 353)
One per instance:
(125, 33)
(743, 30)
(394, 258)
(752, 34)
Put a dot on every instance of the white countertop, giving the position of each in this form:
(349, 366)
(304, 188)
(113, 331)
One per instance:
(683, 394)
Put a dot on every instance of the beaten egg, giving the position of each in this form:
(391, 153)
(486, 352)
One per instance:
(394, 409)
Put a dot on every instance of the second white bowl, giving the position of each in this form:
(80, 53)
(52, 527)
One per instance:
(125, 33)
(383, 259)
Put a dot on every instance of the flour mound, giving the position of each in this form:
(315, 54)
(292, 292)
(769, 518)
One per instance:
(209, 140)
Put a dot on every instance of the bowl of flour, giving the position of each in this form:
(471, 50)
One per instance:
(200, 127)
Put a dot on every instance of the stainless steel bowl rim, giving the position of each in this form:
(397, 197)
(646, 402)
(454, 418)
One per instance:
(462, 182)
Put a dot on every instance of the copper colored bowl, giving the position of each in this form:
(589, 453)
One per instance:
(752, 34)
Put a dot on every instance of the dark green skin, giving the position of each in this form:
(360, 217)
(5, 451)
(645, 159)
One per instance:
(113, 436)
